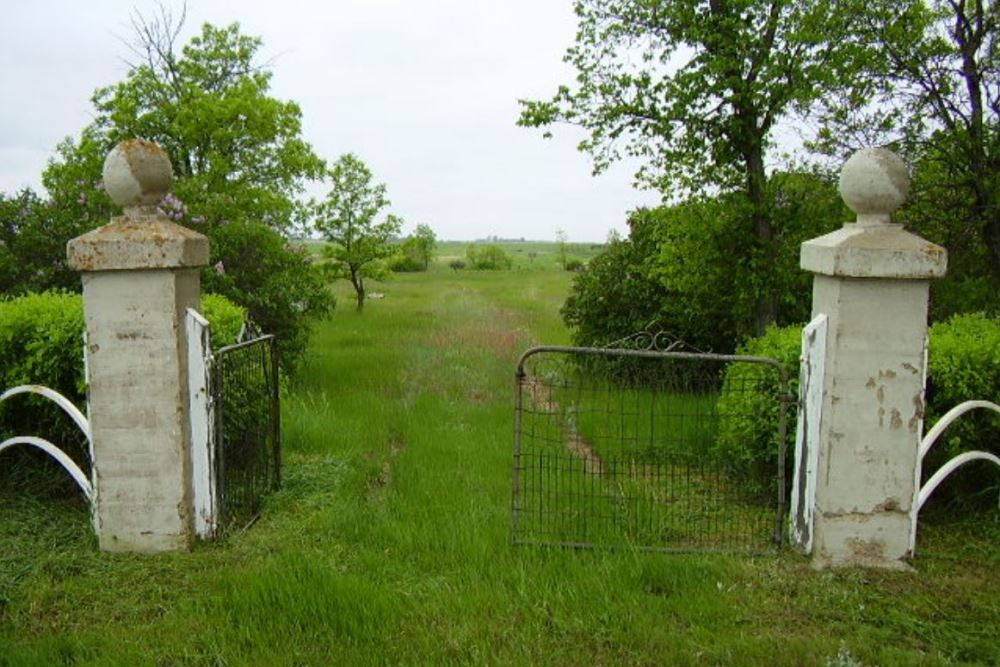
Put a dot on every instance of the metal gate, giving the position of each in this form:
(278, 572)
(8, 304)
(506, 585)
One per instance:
(247, 429)
(649, 449)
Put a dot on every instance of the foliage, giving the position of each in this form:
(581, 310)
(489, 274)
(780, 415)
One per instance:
(488, 258)
(749, 407)
(573, 264)
(33, 235)
(424, 240)
(964, 364)
(226, 319)
(694, 90)
(239, 166)
(932, 88)
(347, 219)
(414, 253)
(404, 261)
(277, 283)
(614, 295)
(679, 261)
(561, 247)
(41, 342)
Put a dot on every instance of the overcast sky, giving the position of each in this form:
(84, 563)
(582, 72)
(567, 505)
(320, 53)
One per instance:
(424, 92)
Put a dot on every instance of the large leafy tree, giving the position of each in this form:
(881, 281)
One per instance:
(932, 85)
(239, 164)
(237, 152)
(349, 219)
(694, 89)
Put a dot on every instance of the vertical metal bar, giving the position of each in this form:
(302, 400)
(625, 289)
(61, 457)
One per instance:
(276, 411)
(518, 425)
(218, 387)
(784, 399)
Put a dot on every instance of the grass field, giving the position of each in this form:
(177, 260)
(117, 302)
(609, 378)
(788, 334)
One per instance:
(390, 540)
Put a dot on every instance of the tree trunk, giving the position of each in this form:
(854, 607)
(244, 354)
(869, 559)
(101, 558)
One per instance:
(766, 308)
(359, 288)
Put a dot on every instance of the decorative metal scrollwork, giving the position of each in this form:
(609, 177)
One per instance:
(654, 339)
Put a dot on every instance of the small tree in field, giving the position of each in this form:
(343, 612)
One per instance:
(347, 219)
(562, 239)
(425, 240)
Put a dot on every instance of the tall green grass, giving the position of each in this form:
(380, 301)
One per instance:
(390, 540)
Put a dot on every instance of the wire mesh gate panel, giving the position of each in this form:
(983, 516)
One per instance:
(668, 451)
(247, 428)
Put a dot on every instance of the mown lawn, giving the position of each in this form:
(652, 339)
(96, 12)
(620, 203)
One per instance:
(390, 541)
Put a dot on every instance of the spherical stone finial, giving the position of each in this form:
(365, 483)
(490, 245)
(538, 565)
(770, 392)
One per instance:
(137, 173)
(874, 183)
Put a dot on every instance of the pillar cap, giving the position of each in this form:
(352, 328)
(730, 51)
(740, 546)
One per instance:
(135, 242)
(874, 184)
(137, 173)
(886, 251)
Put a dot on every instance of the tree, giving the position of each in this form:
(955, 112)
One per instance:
(238, 159)
(933, 89)
(676, 271)
(561, 250)
(425, 241)
(33, 235)
(694, 89)
(347, 219)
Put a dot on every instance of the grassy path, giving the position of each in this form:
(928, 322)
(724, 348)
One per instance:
(389, 543)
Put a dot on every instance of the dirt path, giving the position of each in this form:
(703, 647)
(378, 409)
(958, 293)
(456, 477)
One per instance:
(541, 397)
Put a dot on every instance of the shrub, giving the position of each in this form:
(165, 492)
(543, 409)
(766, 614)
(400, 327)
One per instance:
(614, 296)
(488, 258)
(964, 362)
(456, 264)
(574, 265)
(749, 409)
(405, 263)
(225, 318)
(41, 342)
(282, 291)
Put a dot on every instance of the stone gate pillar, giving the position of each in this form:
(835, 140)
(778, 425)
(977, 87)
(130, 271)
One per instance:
(872, 279)
(140, 274)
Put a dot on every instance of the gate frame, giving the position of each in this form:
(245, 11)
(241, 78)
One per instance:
(650, 352)
(207, 460)
(217, 406)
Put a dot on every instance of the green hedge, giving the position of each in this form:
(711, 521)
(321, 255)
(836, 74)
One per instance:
(748, 410)
(41, 342)
(964, 364)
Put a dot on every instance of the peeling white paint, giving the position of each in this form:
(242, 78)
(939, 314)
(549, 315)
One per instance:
(811, 374)
(202, 454)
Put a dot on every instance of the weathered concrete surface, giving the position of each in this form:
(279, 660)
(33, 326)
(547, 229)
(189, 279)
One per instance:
(872, 283)
(139, 413)
(872, 413)
(137, 173)
(883, 251)
(138, 242)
